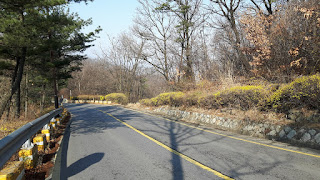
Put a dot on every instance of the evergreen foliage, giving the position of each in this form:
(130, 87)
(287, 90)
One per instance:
(44, 36)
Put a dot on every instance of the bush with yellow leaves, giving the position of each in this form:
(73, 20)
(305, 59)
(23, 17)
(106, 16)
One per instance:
(169, 98)
(146, 102)
(119, 98)
(192, 98)
(88, 97)
(303, 92)
(241, 97)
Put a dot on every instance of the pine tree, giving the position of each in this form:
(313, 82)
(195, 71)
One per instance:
(42, 29)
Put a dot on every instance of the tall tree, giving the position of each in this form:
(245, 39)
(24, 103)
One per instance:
(17, 29)
(21, 35)
(190, 18)
(228, 9)
(124, 58)
(155, 28)
(60, 44)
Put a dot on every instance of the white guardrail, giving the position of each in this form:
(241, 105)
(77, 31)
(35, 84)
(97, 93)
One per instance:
(11, 143)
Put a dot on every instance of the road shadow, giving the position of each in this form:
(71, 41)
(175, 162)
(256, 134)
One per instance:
(87, 120)
(234, 158)
(61, 170)
(84, 163)
(258, 162)
(178, 134)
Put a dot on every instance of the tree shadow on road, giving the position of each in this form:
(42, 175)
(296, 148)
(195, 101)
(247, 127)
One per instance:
(61, 171)
(237, 159)
(176, 133)
(87, 120)
(234, 158)
(84, 163)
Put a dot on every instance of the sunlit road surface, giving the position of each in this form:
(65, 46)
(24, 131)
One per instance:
(111, 142)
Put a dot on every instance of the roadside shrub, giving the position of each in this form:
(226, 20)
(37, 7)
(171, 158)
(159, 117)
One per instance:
(169, 98)
(241, 97)
(154, 101)
(208, 102)
(119, 98)
(303, 92)
(102, 98)
(146, 102)
(192, 98)
(89, 97)
(74, 98)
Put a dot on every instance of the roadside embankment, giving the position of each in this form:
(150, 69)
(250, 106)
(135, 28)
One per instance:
(301, 136)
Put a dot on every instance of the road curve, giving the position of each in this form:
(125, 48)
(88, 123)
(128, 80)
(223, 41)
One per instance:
(111, 142)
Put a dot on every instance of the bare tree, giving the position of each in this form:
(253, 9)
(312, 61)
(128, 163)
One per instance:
(156, 29)
(228, 9)
(125, 56)
(267, 4)
(189, 19)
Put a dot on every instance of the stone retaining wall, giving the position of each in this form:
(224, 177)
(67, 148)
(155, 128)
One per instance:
(302, 136)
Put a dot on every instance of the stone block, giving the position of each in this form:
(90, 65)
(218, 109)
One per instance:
(306, 137)
(291, 134)
(282, 134)
(287, 129)
(312, 132)
(317, 138)
(272, 133)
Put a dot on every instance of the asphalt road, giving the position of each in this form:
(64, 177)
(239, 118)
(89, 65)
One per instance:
(110, 142)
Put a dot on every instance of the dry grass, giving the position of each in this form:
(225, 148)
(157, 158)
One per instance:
(7, 127)
(12, 124)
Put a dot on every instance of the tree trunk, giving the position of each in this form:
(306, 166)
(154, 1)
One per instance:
(18, 103)
(16, 80)
(26, 98)
(42, 100)
(56, 103)
(243, 60)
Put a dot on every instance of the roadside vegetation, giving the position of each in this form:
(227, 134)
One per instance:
(251, 101)
(304, 92)
(117, 98)
(7, 127)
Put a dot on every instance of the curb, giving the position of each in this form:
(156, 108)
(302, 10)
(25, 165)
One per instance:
(55, 171)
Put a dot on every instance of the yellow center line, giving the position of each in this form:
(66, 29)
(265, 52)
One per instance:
(173, 151)
(232, 137)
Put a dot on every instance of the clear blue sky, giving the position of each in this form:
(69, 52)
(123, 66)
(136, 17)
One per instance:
(114, 16)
